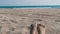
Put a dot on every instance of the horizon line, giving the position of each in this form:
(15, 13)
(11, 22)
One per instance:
(42, 6)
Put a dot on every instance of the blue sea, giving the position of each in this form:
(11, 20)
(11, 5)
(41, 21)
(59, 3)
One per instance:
(55, 6)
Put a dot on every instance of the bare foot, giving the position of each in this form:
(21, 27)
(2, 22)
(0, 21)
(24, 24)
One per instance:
(41, 29)
(34, 29)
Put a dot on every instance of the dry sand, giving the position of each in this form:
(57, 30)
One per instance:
(18, 21)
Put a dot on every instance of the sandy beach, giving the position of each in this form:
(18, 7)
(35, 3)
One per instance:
(18, 21)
